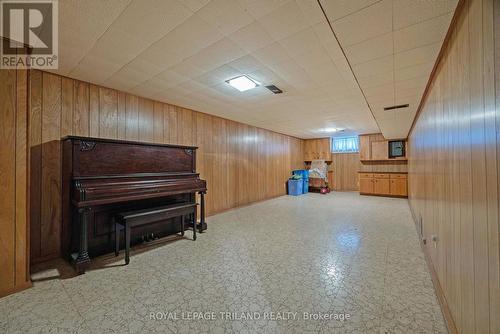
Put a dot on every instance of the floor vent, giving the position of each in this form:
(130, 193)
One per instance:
(397, 107)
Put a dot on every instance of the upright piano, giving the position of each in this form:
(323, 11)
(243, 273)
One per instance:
(102, 177)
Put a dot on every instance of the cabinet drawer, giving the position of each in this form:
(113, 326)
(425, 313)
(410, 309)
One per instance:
(366, 175)
(398, 176)
(381, 176)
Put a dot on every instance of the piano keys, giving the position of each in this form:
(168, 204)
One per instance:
(102, 177)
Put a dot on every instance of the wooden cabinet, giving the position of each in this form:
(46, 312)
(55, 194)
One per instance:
(399, 187)
(364, 147)
(366, 185)
(375, 147)
(308, 150)
(317, 149)
(381, 186)
(385, 184)
(380, 150)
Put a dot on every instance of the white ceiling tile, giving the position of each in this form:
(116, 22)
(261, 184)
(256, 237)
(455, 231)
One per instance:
(328, 40)
(147, 68)
(81, 23)
(311, 11)
(94, 69)
(265, 76)
(376, 80)
(421, 34)
(416, 56)
(284, 21)
(246, 64)
(129, 75)
(374, 67)
(217, 54)
(302, 42)
(416, 71)
(271, 54)
(151, 20)
(161, 57)
(367, 23)
(386, 90)
(259, 8)
(192, 86)
(336, 9)
(189, 37)
(289, 70)
(227, 15)
(314, 58)
(195, 5)
(373, 48)
(417, 82)
(251, 37)
(171, 78)
(187, 69)
(118, 46)
(408, 12)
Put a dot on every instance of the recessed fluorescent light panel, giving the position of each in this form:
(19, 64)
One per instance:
(243, 83)
(329, 130)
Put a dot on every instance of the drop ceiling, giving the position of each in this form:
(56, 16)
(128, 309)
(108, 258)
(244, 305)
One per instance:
(392, 46)
(182, 52)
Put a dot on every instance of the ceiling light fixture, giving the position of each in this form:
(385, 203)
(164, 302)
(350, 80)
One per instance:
(243, 83)
(329, 130)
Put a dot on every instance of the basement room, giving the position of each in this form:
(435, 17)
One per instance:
(250, 166)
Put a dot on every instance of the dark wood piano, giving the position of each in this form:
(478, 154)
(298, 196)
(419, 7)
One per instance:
(102, 177)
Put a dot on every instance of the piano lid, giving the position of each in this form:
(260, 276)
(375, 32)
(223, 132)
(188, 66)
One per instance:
(96, 157)
(104, 171)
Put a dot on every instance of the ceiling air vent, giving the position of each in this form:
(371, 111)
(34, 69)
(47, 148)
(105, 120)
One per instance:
(397, 107)
(274, 89)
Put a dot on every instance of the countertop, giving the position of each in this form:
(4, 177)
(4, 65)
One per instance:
(383, 172)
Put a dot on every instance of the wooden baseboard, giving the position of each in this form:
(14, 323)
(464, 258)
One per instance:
(244, 205)
(445, 309)
(381, 195)
(15, 289)
(43, 259)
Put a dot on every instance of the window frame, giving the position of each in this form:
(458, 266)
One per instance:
(356, 138)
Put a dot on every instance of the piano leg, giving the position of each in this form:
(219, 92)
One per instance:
(127, 243)
(182, 225)
(83, 259)
(117, 239)
(194, 230)
(203, 225)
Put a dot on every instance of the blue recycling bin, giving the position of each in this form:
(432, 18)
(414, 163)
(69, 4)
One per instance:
(295, 187)
(305, 179)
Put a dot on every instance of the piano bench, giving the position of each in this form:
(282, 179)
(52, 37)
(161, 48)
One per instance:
(130, 219)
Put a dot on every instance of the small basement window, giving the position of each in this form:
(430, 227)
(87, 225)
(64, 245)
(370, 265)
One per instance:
(345, 144)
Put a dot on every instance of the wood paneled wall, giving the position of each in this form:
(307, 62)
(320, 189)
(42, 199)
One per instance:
(454, 170)
(14, 247)
(345, 167)
(241, 163)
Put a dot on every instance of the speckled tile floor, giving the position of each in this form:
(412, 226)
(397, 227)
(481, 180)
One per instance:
(339, 254)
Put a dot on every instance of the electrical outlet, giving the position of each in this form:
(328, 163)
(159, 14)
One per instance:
(434, 239)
